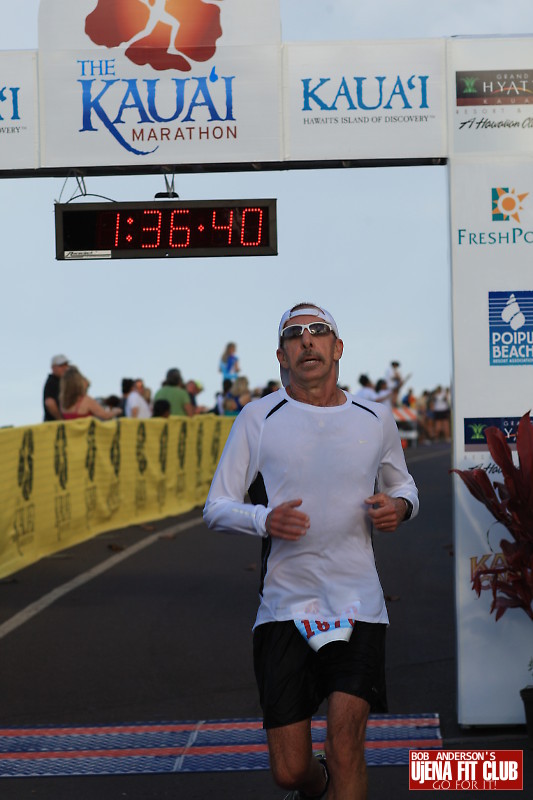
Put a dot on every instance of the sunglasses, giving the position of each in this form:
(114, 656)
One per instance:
(314, 328)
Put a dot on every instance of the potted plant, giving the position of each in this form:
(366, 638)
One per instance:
(511, 503)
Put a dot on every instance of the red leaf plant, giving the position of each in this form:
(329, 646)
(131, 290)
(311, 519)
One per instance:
(510, 503)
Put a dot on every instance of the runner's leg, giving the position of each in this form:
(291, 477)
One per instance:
(291, 758)
(345, 747)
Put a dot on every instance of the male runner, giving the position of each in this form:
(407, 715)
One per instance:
(321, 470)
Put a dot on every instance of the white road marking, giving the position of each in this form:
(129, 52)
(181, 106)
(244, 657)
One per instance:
(46, 600)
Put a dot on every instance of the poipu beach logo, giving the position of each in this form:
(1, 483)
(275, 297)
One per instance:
(511, 328)
(506, 204)
(165, 34)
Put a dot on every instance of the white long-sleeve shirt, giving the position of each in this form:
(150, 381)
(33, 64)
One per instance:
(333, 458)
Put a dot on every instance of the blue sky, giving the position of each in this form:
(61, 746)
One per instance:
(369, 244)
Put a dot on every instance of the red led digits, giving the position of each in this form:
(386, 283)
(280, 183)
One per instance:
(228, 228)
(174, 228)
(117, 229)
(256, 226)
(156, 228)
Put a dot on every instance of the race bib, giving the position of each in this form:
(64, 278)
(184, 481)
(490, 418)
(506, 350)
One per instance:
(318, 632)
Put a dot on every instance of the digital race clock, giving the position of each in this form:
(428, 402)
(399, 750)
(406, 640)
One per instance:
(168, 228)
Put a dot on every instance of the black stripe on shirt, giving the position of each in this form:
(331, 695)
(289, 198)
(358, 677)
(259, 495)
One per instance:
(365, 409)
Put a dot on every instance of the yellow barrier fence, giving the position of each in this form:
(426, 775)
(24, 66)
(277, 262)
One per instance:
(64, 482)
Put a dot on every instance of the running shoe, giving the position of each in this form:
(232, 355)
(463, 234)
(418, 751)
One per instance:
(297, 795)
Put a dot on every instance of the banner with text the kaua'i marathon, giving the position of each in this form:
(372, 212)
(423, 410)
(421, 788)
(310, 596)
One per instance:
(132, 82)
(19, 129)
(365, 100)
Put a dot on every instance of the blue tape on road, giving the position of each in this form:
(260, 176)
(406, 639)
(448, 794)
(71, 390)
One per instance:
(206, 746)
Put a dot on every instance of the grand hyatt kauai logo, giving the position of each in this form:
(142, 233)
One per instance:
(507, 206)
(166, 34)
(475, 439)
(494, 87)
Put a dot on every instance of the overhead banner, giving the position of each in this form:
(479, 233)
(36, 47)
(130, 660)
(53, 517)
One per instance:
(491, 95)
(132, 82)
(19, 130)
(365, 100)
(492, 283)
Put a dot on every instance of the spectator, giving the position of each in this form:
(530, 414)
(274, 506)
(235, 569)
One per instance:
(424, 417)
(113, 402)
(51, 388)
(237, 397)
(229, 362)
(409, 399)
(370, 392)
(367, 390)
(136, 405)
(220, 397)
(272, 386)
(194, 388)
(161, 409)
(74, 402)
(127, 386)
(385, 394)
(441, 413)
(173, 390)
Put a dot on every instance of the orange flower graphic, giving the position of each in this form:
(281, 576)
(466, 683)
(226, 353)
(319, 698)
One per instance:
(166, 34)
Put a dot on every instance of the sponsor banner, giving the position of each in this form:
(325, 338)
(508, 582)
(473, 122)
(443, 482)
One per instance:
(362, 100)
(511, 328)
(466, 770)
(490, 95)
(127, 82)
(492, 246)
(19, 128)
(63, 483)
(475, 427)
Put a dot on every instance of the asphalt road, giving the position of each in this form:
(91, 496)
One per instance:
(153, 623)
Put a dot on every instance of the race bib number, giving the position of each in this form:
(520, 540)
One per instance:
(318, 632)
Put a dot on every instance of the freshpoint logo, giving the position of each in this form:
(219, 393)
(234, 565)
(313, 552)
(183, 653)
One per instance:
(507, 205)
(511, 328)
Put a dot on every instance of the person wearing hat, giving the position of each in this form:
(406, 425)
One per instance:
(194, 388)
(322, 471)
(173, 390)
(51, 388)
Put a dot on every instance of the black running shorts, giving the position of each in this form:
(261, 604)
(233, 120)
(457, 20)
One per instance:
(293, 679)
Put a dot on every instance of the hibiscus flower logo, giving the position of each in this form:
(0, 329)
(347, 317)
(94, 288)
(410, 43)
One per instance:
(166, 34)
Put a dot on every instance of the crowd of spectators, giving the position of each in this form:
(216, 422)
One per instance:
(66, 396)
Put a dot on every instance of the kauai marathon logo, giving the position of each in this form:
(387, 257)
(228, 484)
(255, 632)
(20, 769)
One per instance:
(174, 38)
(375, 99)
(507, 205)
(494, 99)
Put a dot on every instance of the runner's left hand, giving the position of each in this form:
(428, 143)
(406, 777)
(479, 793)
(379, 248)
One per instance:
(386, 512)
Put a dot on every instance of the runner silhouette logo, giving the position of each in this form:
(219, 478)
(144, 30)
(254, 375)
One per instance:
(166, 34)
